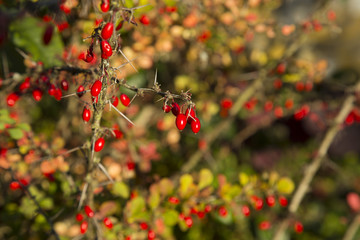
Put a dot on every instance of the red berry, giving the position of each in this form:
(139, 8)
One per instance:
(259, 203)
(280, 69)
(180, 121)
(173, 200)
(3, 152)
(99, 144)
(105, 5)
(24, 85)
(58, 94)
(188, 221)
(107, 31)
(207, 208)
(226, 103)
(96, 88)
(264, 225)
(175, 109)
(52, 90)
(270, 200)
(106, 49)
(12, 99)
(195, 125)
(83, 227)
(201, 214)
(115, 101)
(166, 108)
(125, 100)
(14, 185)
(119, 26)
(24, 182)
(118, 134)
(223, 211)
(151, 235)
(246, 210)
(298, 227)
(79, 217)
(299, 86)
(130, 166)
(190, 114)
(108, 223)
(268, 106)
(289, 103)
(86, 114)
(331, 15)
(277, 84)
(37, 94)
(80, 91)
(89, 56)
(144, 226)
(65, 9)
(48, 34)
(283, 201)
(278, 112)
(64, 85)
(89, 212)
(145, 20)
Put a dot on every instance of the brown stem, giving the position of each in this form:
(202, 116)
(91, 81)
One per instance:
(316, 163)
(352, 229)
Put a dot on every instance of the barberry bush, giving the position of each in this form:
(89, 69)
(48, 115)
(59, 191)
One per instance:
(174, 119)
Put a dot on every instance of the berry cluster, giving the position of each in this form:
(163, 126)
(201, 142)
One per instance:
(90, 214)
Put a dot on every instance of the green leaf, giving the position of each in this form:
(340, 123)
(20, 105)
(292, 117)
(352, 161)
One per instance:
(285, 185)
(4, 112)
(24, 126)
(47, 203)
(170, 217)
(121, 189)
(6, 119)
(27, 207)
(137, 210)
(15, 133)
(243, 178)
(2, 126)
(206, 178)
(186, 181)
(154, 200)
(28, 34)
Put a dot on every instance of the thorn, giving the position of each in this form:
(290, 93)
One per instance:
(82, 198)
(123, 115)
(127, 60)
(105, 172)
(155, 81)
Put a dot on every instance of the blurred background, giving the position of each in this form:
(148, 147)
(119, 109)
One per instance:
(268, 77)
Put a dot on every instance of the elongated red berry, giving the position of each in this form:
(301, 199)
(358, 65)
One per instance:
(14, 185)
(173, 200)
(83, 227)
(118, 134)
(144, 225)
(24, 85)
(259, 203)
(264, 225)
(106, 49)
(99, 144)
(105, 5)
(151, 235)
(180, 121)
(175, 109)
(52, 90)
(207, 208)
(48, 34)
(226, 103)
(195, 125)
(119, 26)
(166, 108)
(108, 223)
(115, 101)
(223, 211)
(125, 100)
(96, 88)
(37, 94)
(80, 91)
(64, 85)
(107, 31)
(58, 94)
(86, 115)
(188, 221)
(270, 200)
(190, 114)
(79, 217)
(246, 210)
(298, 227)
(145, 20)
(11, 99)
(89, 212)
(283, 201)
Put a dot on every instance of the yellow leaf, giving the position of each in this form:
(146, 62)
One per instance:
(285, 185)
(243, 178)
(206, 178)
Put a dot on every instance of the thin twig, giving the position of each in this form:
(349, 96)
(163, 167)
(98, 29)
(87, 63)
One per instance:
(352, 229)
(316, 163)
